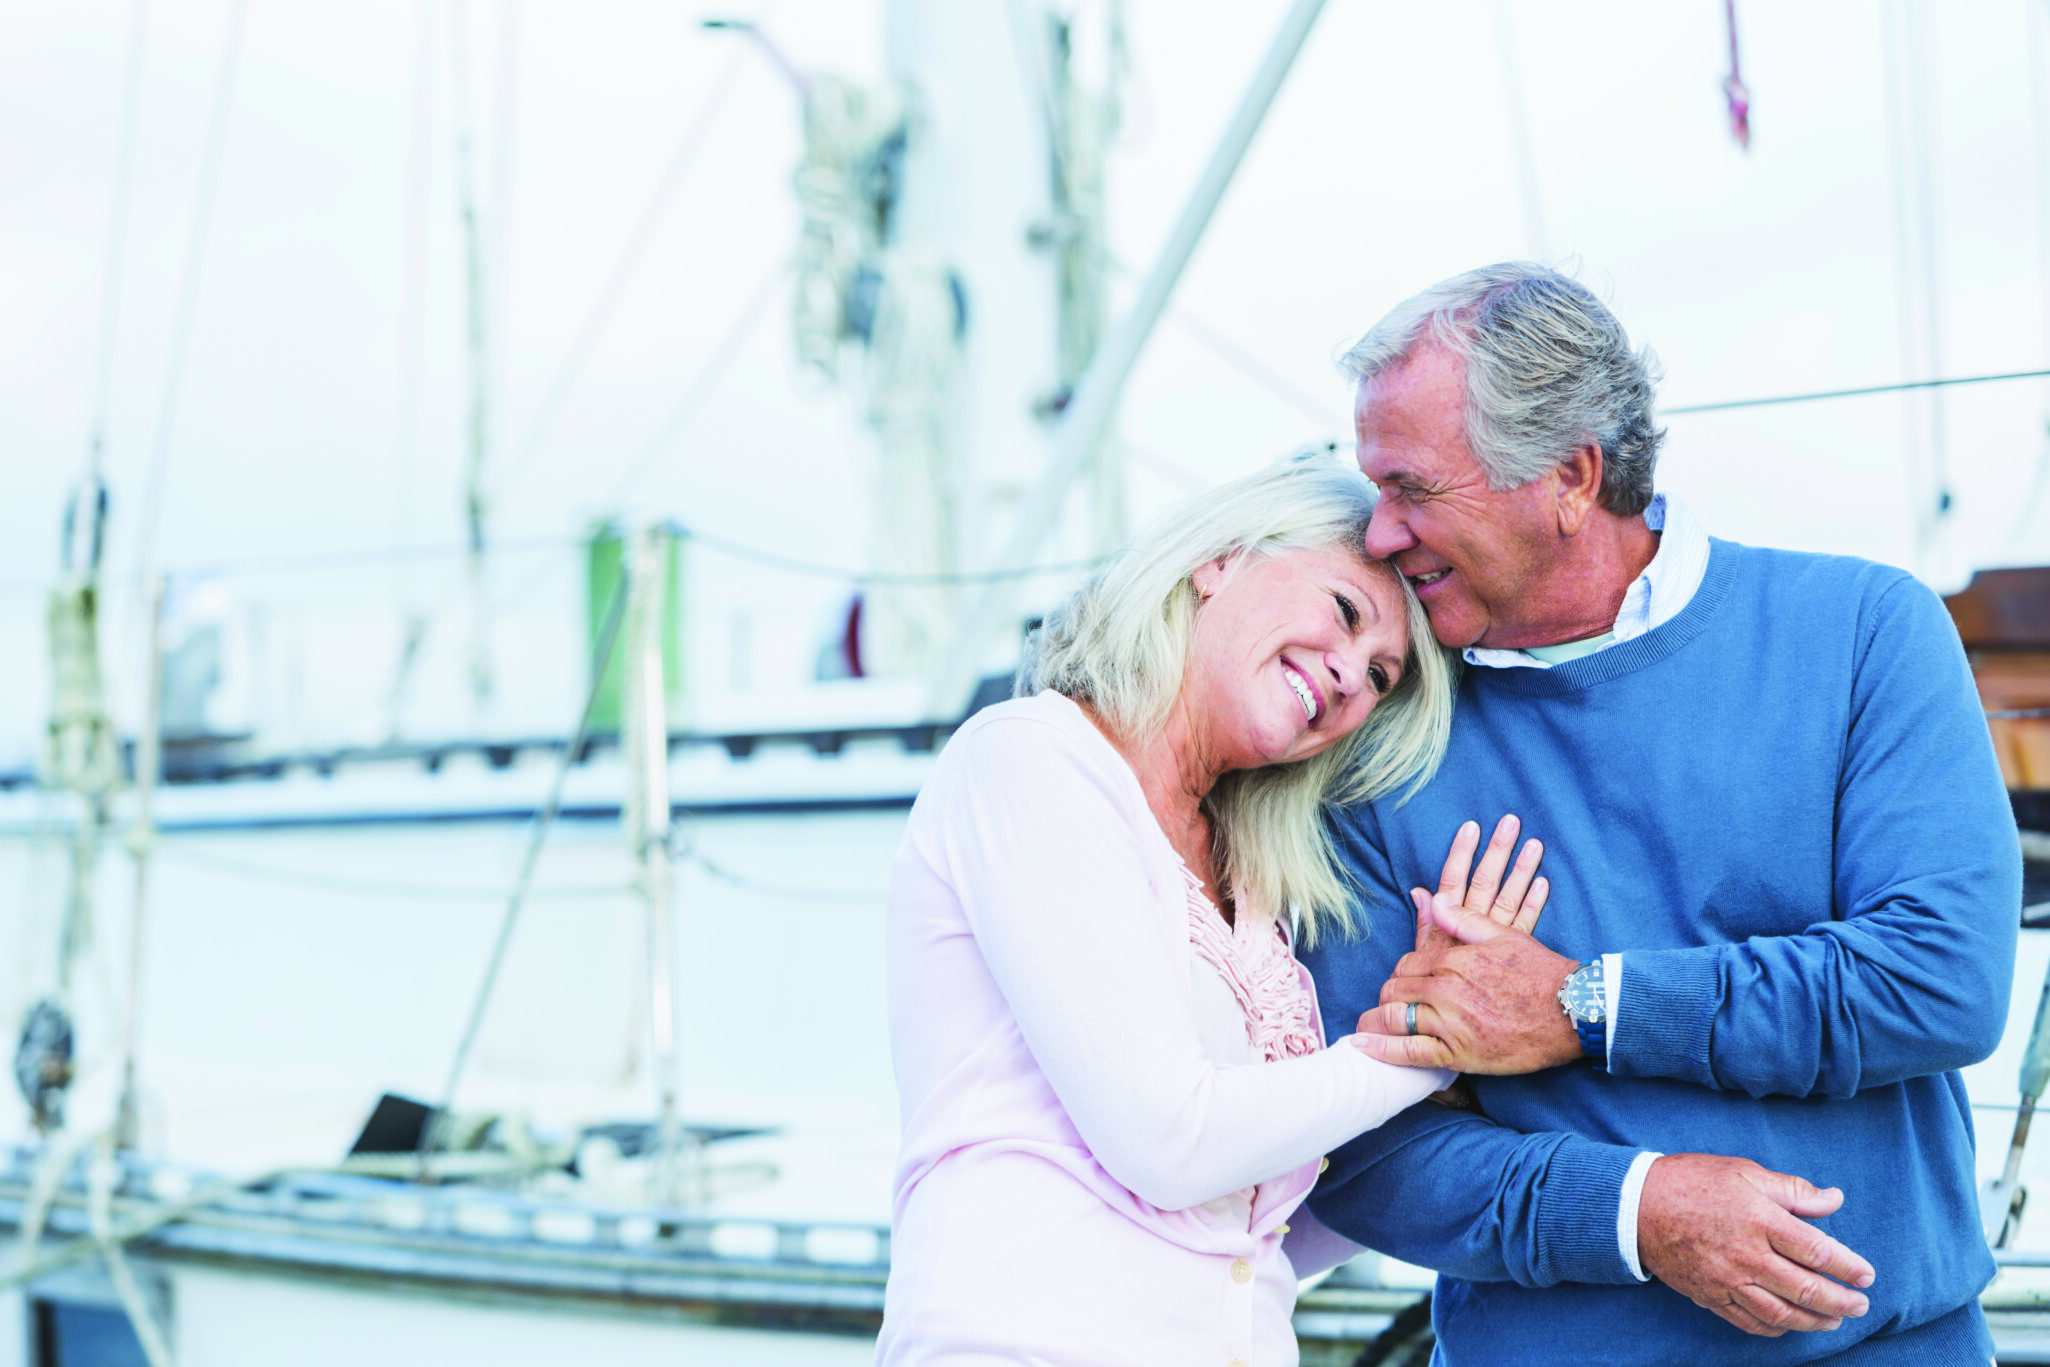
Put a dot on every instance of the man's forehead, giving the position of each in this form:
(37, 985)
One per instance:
(1410, 419)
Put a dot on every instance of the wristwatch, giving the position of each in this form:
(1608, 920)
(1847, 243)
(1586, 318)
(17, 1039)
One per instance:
(1587, 1005)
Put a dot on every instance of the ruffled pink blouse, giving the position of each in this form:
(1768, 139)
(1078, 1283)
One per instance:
(1252, 955)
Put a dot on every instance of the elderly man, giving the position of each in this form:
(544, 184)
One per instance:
(1784, 882)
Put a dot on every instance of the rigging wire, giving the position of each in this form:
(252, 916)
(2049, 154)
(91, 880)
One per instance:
(188, 291)
(1911, 147)
(1903, 386)
(412, 330)
(743, 883)
(2036, 20)
(476, 501)
(571, 368)
(259, 872)
(740, 550)
(504, 128)
(776, 560)
(117, 240)
(1520, 144)
(737, 550)
(413, 281)
(1231, 353)
(369, 887)
(724, 352)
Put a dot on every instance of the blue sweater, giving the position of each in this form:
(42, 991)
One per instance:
(1782, 808)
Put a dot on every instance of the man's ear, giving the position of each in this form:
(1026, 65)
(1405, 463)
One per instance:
(1578, 487)
(1208, 576)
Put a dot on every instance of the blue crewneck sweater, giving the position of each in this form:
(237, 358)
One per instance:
(1782, 808)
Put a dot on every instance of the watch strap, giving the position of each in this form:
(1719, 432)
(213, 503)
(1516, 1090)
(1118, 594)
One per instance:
(1582, 998)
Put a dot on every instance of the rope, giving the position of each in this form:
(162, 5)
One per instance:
(100, 1178)
(78, 1250)
(188, 292)
(601, 657)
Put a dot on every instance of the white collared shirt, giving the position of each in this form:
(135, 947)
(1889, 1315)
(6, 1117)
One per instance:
(1654, 598)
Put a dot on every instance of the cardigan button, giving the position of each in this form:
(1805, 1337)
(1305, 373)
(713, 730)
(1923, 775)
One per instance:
(1241, 1271)
(1281, 1229)
(1323, 1166)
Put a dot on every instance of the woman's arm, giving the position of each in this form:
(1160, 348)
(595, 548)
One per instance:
(1049, 872)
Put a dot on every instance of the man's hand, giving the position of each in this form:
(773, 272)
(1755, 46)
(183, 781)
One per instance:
(1487, 1001)
(1722, 1232)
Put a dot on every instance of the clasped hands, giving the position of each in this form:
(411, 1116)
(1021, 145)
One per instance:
(1725, 1232)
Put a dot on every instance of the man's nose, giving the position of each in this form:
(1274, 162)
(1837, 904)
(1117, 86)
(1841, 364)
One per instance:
(1387, 533)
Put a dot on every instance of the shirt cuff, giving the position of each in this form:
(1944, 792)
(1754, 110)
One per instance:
(1626, 1211)
(1575, 1234)
(1612, 997)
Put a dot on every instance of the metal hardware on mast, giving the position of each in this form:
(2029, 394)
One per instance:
(79, 756)
(1096, 398)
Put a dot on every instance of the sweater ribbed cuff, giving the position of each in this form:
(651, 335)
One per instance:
(1665, 1014)
(1576, 1225)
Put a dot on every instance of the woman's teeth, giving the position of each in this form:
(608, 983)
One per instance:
(1303, 694)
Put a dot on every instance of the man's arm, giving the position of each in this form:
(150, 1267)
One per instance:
(1452, 1191)
(1911, 976)
(1915, 976)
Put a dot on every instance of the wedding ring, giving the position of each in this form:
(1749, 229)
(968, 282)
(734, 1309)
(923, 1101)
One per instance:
(1410, 1018)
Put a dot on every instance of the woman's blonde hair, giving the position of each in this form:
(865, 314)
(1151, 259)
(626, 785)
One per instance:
(1121, 644)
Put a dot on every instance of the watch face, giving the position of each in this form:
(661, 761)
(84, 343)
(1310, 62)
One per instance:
(1582, 995)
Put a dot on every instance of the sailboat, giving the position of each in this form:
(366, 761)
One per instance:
(583, 1052)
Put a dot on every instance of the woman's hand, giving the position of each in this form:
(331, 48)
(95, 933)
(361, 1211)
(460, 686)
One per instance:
(1515, 901)
(1479, 995)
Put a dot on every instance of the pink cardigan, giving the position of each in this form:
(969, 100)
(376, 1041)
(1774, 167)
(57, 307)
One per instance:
(1070, 1148)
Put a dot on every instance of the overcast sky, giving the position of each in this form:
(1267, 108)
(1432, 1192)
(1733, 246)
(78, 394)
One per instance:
(1411, 141)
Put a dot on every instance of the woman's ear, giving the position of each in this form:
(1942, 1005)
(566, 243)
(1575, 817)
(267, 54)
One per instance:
(1208, 576)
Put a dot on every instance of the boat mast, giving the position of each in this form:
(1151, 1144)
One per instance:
(1088, 418)
(644, 744)
(966, 346)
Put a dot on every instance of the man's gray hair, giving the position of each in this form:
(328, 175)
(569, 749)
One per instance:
(1548, 370)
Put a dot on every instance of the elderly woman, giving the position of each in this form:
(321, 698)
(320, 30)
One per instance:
(1115, 1090)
